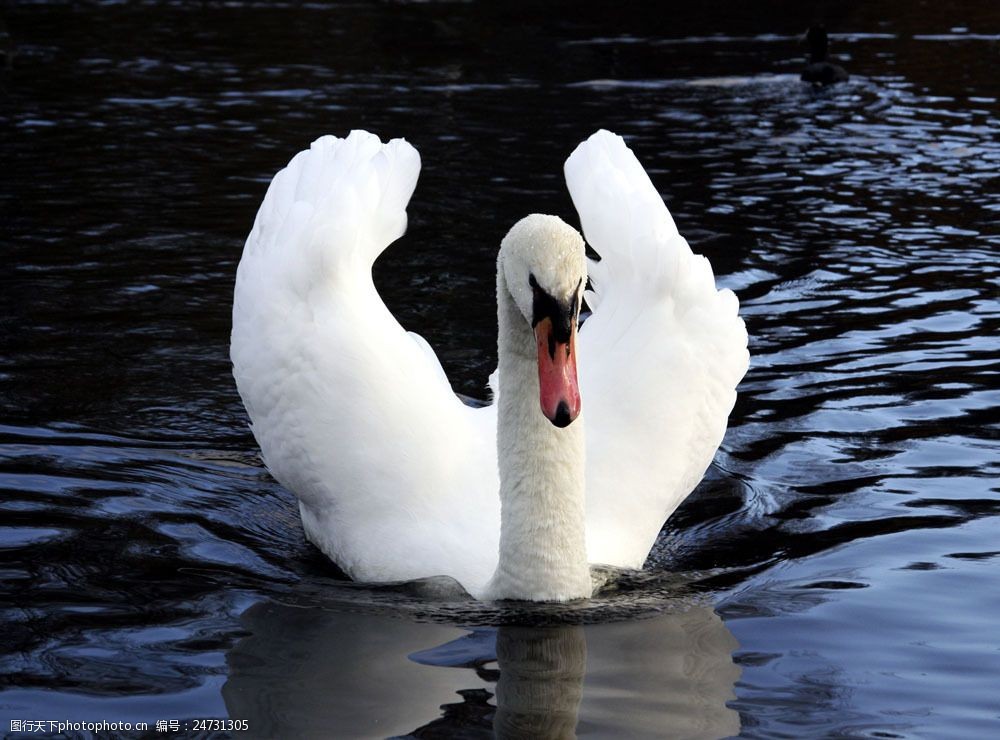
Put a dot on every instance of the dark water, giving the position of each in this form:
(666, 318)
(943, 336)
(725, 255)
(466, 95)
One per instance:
(838, 572)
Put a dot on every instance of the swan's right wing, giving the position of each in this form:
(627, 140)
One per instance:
(660, 357)
(394, 474)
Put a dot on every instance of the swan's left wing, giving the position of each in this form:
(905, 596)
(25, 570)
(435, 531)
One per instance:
(660, 357)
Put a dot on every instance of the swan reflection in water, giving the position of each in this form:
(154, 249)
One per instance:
(314, 672)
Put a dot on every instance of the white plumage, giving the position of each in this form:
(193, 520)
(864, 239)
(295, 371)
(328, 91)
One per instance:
(396, 477)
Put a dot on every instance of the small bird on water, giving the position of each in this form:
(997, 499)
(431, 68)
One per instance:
(819, 71)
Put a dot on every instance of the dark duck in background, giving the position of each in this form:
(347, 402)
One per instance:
(820, 71)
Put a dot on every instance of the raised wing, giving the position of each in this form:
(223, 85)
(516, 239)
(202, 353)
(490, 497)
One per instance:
(660, 357)
(394, 474)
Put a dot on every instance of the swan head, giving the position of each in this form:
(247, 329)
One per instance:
(545, 270)
(817, 39)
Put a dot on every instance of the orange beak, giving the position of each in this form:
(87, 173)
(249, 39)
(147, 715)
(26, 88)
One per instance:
(559, 391)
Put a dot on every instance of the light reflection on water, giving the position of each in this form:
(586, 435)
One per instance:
(844, 536)
(306, 670)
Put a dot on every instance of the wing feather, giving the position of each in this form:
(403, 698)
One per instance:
(660, 357)
(396, 477)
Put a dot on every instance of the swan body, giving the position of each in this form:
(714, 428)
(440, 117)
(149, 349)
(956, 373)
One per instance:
(396, 478)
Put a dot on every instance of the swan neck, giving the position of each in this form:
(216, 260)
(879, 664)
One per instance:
(543, 554)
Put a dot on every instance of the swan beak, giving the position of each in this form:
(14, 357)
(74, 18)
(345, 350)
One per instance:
(559, 391)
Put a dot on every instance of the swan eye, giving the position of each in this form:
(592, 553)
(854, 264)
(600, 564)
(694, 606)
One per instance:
(544, 306)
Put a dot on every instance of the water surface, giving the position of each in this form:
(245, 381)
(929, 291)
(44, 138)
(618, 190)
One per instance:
(835, 574)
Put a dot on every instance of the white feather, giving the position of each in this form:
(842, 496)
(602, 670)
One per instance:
(659, 359)
(397, 479)
(351, 412)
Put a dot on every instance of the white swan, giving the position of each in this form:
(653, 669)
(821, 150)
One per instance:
(396, 477)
